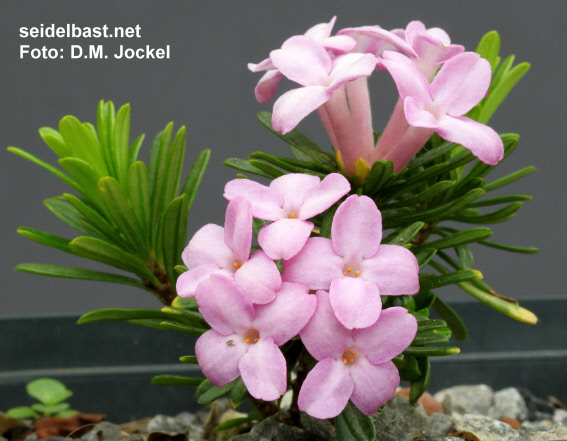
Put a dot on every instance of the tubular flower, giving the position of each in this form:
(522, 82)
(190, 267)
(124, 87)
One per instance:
(289, 201)
(353, 266)
(439, 107)
(215, 249)
(321, 33)
(431, 49)
(353, 364)
(244, 338)
(306, 62)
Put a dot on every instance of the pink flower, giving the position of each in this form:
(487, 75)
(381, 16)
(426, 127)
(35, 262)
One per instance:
(439, 107)
(353, 364)
(289, 201)
(353, 266)
(375, 40)
(214, 249)
(431, 47)
(321, 33)
(244, 339)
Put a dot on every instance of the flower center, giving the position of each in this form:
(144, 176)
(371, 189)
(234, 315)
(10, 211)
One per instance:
(292, 216)
(251, 336)
(237, 265)
(349, 272)
(349, 357)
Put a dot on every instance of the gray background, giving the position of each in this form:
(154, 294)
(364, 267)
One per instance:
(206, 86)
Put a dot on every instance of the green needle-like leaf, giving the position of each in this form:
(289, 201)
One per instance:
(173, 229)
(176, 380)
(139, 194)
(488, 48)
(215, 393)
(122, 214)
(508, 179)
(118, 314)
(135, 149)
(97, 221)
(108, 254)
(506, 307)
(405, 235)
(55, 141)
(238, 393)
(46, 239)
(23, 154)
(76, 273)
(428, 282)
(85, 175)
(418, 387)
(121, 138)
(353, 424)
(511, 248)
(245, 166)
(68, 214)
(193, 181)
(491, 218)
(189, 359)
(454, 322)
(380, 174)
(501, 91)
(431, 351)
(460, 238)
(501, 200)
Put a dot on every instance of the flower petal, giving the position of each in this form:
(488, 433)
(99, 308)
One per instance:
(263, 370)
(284, 238)
(461, 83)
(394, 269)
(266, 203)
(238, 228)
(224, 305)
(207, 247)
(218, 356)
(303, 60)
(324, 336)
(293, 106)
(283, 318)
(349, 67)
(373, 385)
(481, 140)
(409, 80)
(321, 31)
(357, 228)
(266, 87)
(315, 265)
(339, 44)
(355, 302)
(326, 193)
(259, 278)
(326, 390)
(418, 117)
(292, 187)
(188, 281)
(388, 337)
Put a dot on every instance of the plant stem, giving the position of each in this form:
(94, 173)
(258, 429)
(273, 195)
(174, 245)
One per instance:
(266, 408)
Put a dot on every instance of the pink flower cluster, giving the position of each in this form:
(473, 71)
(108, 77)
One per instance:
(329, 294)
(437, 81)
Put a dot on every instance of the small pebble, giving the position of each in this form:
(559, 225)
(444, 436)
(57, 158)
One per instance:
(559, 433)
(477, 399)
(514, 424)
(164, 423)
